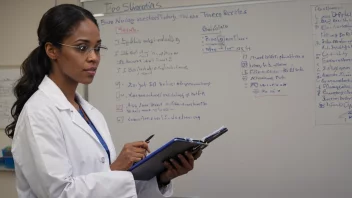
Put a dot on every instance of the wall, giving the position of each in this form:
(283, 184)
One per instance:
(19, 19)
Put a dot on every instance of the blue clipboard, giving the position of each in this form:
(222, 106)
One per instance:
(153, 164)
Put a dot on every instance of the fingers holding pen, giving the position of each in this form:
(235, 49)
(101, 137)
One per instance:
(139, 150)
(130, 153)
(141, 145)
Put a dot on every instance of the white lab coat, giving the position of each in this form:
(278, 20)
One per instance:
(57, 154)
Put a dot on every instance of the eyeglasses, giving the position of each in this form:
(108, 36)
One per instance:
(84, 49)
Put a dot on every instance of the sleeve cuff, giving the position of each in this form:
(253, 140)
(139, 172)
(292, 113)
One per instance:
(167, 190)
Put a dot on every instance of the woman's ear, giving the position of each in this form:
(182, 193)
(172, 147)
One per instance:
(51, 51)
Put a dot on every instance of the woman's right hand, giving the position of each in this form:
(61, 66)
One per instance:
(130, 153)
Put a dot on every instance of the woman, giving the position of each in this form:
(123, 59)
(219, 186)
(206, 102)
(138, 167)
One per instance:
(61, 144)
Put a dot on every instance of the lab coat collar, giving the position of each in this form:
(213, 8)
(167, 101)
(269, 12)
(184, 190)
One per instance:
(55, 93)
(57, 96)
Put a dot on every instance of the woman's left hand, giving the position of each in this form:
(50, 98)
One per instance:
(175, 169)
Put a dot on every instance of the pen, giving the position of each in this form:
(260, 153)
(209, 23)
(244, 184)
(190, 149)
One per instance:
(149, 138)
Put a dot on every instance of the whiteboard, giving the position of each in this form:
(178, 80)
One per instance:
(8, 76)
(276, 74)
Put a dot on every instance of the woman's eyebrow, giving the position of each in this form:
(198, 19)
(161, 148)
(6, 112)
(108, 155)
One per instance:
(82, 40)
(87, 41)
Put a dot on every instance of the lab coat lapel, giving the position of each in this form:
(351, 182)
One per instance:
(78, 120)
(97, 121)
(55, 94)
(93, 116)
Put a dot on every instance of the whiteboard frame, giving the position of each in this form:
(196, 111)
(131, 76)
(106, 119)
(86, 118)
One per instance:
(188, 7)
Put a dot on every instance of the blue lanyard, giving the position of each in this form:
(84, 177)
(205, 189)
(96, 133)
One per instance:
(101, 140)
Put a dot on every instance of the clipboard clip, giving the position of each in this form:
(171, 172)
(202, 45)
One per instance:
(214, 135)
(207, 139)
